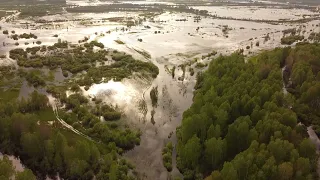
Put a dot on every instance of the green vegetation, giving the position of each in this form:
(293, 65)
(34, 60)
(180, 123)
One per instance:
(167, 156)
(201, 65)
(86, 118)
(144, 53)
(173, 71)
(119, 41)
(34, 78)
(107, 112)
(302, 78)
(191, 71)
(213, 53)
(242, 125)
(49, 149)
(15, 36)
(183, 68)
(39, 10)
(83, 58)
(30, 129)
(27, 36)
(288, 40)
(7, 171)
(5, 32)
(292, 31)
(314, 37)
(154, 96)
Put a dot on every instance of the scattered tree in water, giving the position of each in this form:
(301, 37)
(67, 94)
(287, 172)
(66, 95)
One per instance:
(167, 156)
(173, 71)
(288, 40)
(153, 112)
(154, 96)
(83, 58)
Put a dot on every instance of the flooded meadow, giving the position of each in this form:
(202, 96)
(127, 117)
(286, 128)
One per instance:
(179, 44)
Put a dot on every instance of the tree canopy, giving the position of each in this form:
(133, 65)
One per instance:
(243, 125)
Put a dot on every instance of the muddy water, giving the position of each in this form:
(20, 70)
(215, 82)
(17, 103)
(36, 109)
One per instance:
(174, 96)
(257, 13)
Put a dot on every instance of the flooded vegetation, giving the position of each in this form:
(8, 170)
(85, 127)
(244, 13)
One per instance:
(159, 90)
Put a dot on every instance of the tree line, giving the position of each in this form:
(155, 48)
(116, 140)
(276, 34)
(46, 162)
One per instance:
(243, 125)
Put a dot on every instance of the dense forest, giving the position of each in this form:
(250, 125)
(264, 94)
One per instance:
(243, 124)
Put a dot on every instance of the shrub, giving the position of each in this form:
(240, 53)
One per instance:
(167, 156)
(154, 96)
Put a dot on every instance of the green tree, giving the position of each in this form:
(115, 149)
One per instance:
(285, 171)
(307, 149)
(25, 175)
(191, 153)
(6, 168)
(215, 151)
(229, 172)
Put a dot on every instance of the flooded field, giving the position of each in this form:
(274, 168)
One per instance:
(258, 13)
(168, 40)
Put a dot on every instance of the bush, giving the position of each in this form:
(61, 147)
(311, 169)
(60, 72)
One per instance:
(191, 71)
(38, 42)
(65, 73)
(154, 96)
(27, 36)
(200, 65)
(291, 39)
(35, 79)
(111, 116)
(15, 37)
(167, 156)
(5, 32)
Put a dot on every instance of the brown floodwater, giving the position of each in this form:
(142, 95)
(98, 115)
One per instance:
(176, 42)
